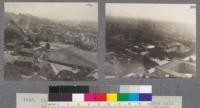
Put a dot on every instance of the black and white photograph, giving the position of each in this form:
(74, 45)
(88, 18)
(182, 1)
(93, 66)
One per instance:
(50, 41)
(146, 40)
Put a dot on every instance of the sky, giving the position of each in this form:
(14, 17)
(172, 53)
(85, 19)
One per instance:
(87, 11)
(182, 13)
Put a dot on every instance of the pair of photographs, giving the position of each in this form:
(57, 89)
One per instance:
(50, 41)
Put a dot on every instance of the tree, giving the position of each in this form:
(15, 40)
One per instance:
(47, 46)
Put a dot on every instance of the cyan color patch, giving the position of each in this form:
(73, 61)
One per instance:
(134, 97)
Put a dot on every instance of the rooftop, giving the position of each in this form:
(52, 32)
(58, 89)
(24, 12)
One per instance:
(178, 68)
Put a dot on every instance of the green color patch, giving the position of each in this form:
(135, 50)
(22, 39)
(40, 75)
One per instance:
(122, 96)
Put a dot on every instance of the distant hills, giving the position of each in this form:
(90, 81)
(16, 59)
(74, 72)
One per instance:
(81, 34)
(39, 20)
(152, 27)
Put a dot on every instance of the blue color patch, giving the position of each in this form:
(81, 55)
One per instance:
(134, 97)
(145, 97)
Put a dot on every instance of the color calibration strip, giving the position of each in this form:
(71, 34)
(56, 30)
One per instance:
(122, 93)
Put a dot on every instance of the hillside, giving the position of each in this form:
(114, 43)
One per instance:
(81, 34)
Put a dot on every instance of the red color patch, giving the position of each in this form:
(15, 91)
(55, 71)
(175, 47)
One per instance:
(100, 97)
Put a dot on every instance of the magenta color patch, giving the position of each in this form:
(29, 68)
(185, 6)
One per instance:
(89, 97)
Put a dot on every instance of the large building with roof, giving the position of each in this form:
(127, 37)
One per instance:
(177, 68)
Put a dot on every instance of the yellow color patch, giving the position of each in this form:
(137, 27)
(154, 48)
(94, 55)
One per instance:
(111, 97)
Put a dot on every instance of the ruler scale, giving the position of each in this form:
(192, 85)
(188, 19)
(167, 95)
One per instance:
(97, 104)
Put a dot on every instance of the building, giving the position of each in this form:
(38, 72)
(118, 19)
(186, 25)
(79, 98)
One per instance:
(73, 57)
(10, 46)
(177, 68)
(26, 52)
(24, 61)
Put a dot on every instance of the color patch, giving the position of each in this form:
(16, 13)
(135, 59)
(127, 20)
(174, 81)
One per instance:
(81, 89)
(122, 96)
(111, 97)
(133, 97)
(145, 89)
(113, 89)
(100, 97)
(103, 89)
(145, 97)
(124, 89)
(78, 97)
(54, 97)
(89, 97)
(66, 97)
(54, 89)
(134, 89)
(94, 89)
(66, 89)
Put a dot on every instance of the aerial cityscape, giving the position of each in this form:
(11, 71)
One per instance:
(40, 47)
(150, 40)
